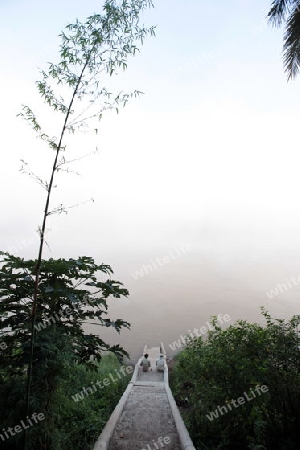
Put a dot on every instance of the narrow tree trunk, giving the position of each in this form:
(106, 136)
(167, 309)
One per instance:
(42, 241)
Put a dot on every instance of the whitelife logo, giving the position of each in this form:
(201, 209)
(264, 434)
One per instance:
(102, 384)
(9, 432)
(159, 262)
(198, 332)
(161, 442)
(236, 403)
(3, 346)
(62, 314)
(274, 292)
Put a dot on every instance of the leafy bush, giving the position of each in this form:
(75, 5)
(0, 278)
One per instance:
(67, 424)
(230, 364)
(79, 423)
(64, 356)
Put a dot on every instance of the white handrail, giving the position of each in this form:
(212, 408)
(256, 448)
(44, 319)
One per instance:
(107, 432)
(185, 441)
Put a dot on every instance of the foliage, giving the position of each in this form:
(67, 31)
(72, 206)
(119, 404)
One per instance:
(212, 372)
(70, 296)
(89, 51)
(288, 12)
(68, 424)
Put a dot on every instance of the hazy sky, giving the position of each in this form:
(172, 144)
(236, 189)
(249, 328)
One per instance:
(207, 156)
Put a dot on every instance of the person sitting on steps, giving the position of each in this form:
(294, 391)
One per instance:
(160, 363)
(145, 363)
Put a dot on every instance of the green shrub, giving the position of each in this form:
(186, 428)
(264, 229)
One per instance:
(80, 423)
(211, 373)
(68, 424)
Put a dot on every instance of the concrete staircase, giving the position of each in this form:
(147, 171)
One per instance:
(147, 417)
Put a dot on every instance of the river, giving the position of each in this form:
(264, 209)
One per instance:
(182, 293)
